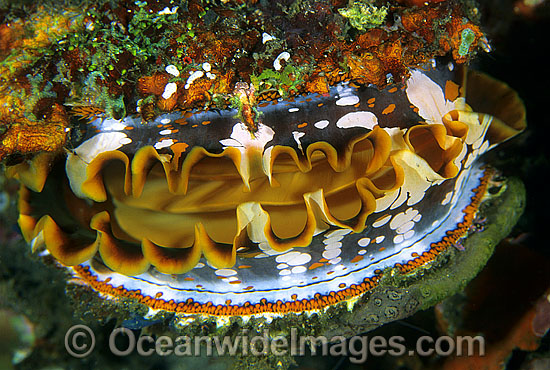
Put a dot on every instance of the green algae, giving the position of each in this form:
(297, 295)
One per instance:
(291, 77)
(40, 89)
(467, 37)
(362, 15)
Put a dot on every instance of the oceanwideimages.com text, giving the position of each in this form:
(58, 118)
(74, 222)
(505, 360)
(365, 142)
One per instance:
(80, 342)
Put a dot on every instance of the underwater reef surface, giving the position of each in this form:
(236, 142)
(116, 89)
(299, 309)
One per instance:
(515, 39)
